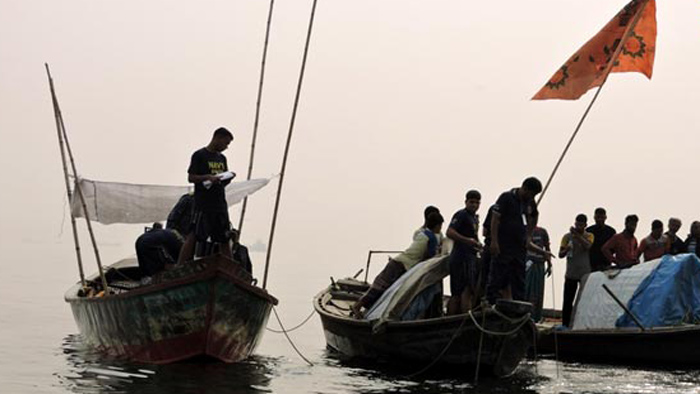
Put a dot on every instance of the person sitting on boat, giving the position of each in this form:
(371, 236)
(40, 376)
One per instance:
(601, 234)
(535, 272)
(180, 217)
(692, 243)
(240, 252)
(157, 248)
(423, 247)
(464, 270)
(211, 218)
(444, 248)
(656, 244)
(514, 218)
(621, 249)
(677, 245)
(575, 246)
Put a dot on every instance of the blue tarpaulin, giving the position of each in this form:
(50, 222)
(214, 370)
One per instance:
(669, 296)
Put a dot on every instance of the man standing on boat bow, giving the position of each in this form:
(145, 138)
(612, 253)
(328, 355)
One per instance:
(206, 171)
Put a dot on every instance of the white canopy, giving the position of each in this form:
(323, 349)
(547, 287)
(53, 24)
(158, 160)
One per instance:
(595, 308)
(113, 202)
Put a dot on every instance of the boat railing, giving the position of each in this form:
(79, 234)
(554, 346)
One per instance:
(369, 259)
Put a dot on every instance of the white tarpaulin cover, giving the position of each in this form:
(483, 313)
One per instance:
(398, 297)
(595, 308)
(112, 202)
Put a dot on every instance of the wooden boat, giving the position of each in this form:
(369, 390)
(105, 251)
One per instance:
(207, 307)
(506, 329)
(676, 345)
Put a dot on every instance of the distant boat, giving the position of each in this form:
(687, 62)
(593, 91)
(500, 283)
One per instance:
(506, 329)
(664, 298)
(207, 307)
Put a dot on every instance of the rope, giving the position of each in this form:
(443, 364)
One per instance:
(294, 328)
(509, 319)
(534, 345)
(556, 343)
(442, 353)
(481, 343)
(499, 334)
(459, 329)
(290, 339)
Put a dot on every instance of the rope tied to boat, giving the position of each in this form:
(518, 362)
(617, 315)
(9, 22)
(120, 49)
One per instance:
(290, 339)
(293, 328)
(444, 350)
(521, 322)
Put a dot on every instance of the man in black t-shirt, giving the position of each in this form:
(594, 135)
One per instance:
(514, 216)
(601, 234)
(211, 210)
(464, 270)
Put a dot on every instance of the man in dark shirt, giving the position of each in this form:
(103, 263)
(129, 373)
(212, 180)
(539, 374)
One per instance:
(514, 217)
(601, 234)
(464, 272)
(211, 210)
(180, 217)
(156, 248)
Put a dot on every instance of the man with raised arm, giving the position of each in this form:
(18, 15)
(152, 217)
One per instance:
(211, 210)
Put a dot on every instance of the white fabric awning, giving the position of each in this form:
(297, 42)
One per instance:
(113, 202)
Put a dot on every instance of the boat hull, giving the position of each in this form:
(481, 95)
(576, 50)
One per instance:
(207, 309)
(678, 346)
(453, 340)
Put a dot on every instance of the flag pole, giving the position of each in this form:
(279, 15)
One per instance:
(257, 112)
(289, 140)
(79, 190)
(61, 144)
(608, 69)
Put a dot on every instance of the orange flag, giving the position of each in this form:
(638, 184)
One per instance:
(634, 27)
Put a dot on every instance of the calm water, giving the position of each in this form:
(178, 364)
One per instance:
(43, 353)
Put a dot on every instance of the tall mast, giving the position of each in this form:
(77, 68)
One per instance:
(289, 142)
(257, 111)
(78, 189)
(61, 144)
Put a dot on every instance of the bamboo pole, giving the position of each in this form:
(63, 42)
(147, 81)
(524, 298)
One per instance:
(80, 194)
(624, 308)
(288, 144)
(608, 69)
(76, 240)
(257, 112)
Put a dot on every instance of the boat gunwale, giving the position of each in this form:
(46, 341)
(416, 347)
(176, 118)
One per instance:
(318, 306)
(214, 268)
(625, 331)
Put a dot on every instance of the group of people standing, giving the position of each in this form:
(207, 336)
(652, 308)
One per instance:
(515, 256)
(600, 247)
(494, 269)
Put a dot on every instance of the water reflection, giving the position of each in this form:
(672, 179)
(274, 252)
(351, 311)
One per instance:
(388, 378)
(90, 372)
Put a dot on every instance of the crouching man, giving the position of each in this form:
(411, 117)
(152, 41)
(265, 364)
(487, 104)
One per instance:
(425, 246)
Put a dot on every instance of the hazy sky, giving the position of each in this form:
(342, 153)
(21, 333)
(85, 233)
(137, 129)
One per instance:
(406, 103)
